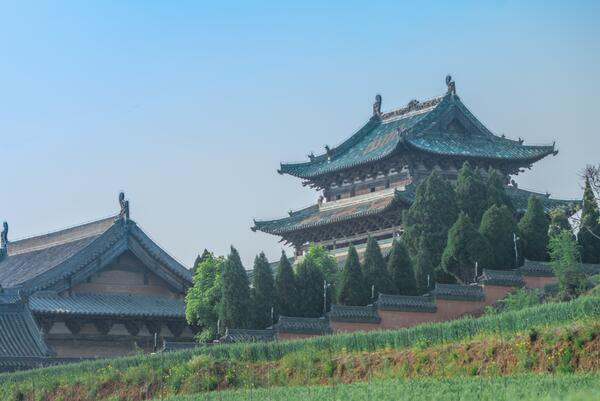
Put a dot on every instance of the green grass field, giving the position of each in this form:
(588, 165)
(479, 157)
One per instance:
(525, 387)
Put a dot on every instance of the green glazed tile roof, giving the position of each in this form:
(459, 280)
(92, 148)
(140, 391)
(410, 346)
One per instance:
(108, 304)
(520, 197)
(537, 269)
(406, 303)
(510, 278)
(314, 216)
(302, 325)
(416, 128)
(356, 314)
(245, 335)
(458, 292)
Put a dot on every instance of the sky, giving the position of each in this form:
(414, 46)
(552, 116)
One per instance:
(189, 107)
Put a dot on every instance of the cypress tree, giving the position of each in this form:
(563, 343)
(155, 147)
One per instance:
(401, 270)
(352, 284)
(235, 311)
(285, 288)
(589, 230)
(533, 227)
(375, 271)
(466, 246)
(471, 194)
(309, 281)
(495, 190)
(498, 227)
(559, 221)
(263, 292)
(426, 225)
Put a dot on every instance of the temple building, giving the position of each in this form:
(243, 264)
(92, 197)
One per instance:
(368, 179)
(98, 289)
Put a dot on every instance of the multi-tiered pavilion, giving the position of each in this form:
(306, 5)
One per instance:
(368, 179)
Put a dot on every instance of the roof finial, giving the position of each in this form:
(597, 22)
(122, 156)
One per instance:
(124, 203)
(451, 85)
(377, 106)
(4, 240)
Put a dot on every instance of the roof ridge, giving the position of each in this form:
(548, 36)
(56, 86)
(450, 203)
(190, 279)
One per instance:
(19, 246)
(412, 108)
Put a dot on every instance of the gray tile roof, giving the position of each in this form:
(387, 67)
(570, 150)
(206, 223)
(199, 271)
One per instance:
(510, 278)
(458, 292)
(536, 269)
(34, 256)
(107, 304)
(20, 339)
(357, 314)
(245, 335)
(302, 325)
(406, 303)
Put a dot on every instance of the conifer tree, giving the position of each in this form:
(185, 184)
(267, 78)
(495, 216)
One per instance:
(309, 281)
(322, 259)
(471, 194)
(495, 190)
(236, 308)
(285, 288)
(352, 284)
(374, 270)
(200, 258)
(559, 221)
(426, 225)
(588, 236)
(401, 270)
(466, 246)
(263, 292)
(533, 227)
(499, 227)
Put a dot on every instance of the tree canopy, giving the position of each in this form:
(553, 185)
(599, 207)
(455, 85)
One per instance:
(374, 269)
(471, 194)
(589, 228)
(566, 262)
(263, 292)
(309, 281)
(352, 289)
(285, 288)
(495, 190)
(499, 228)
(533, 227)
(400, 268)
(236, 307)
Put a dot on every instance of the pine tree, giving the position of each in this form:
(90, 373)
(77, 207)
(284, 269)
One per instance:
(401, 270)
(352, 284)
(495, 190)
(499, 227)
(374, 269)
(309, 281)
(263, 292)
(285, 288)
(589, 230)
(466, 246)
(533, 227)
(471, 194)
(426, 225)
(235, 310)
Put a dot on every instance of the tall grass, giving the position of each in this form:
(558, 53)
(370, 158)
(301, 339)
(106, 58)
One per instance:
(432, 333)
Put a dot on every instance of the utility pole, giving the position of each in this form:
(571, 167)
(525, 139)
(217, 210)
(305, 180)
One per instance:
(515, 239)
(325, 286)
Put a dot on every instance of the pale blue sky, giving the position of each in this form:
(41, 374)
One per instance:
(190, 106)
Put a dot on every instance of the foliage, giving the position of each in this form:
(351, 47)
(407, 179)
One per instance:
(285, 288)
(203, 298)
(320, 257)
(519, 299)
(465, 247)
(471, 194)
(566, 262)
(533, 227)
(200, 259)
(559, 220)
(400, 268)
(498, 227)
(309, 281)
(589, 230)
(496, 194)
(235, 310)
(426, 224)
(352, 283)
(374, 269)
(263, 292)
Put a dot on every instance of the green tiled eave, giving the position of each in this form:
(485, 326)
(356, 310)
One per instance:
(380, 138)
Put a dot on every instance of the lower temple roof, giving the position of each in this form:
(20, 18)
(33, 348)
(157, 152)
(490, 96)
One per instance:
(458, 292)
(302, 325)
(406, 303)
(357, 314)
(379, 202)
(108, 304)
